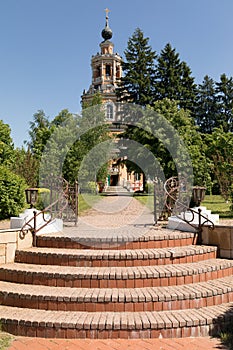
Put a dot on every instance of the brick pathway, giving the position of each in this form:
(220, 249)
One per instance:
(121, 344)
(115, 213)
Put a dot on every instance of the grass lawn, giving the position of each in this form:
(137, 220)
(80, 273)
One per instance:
(216, 204)
(145, 199)
(5, 340)
(86, 201)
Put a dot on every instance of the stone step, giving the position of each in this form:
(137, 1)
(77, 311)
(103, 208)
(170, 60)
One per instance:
(116, 190)
(154, 238)
(110, 258)
(62, 324)
(116, 277)
(189, 296)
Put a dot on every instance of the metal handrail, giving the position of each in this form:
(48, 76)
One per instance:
(175, 189)
(31, 224)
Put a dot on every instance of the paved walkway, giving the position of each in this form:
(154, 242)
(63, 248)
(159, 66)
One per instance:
(112, 217)
(121, 344)
(116, 212)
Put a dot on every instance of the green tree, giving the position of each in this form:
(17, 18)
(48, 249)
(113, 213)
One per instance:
(6, 144)
(57, 148)
(137, 83)
(207, 108)
(183, 123)
(72, 137)
(220, 153)
(96, 100)
(174, 80)
(12, 197)
(60, 119)
(94, 131)
(224, 91)
(26, 166)
(12, 186)
(40, 131)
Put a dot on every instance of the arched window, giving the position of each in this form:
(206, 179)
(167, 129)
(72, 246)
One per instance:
(110, 111)
(108, 70)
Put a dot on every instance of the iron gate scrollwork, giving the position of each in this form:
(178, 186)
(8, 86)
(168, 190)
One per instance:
(63, 204)
(177, 202)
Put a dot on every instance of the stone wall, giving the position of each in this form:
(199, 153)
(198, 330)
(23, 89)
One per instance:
(10, 241)
(220, 236)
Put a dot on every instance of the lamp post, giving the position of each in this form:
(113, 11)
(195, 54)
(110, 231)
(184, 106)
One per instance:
(155, 182)
(31, 196)
(198, 195)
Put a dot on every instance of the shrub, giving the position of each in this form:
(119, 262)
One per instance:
(43, 200)
(12, 195)
(89, 187)
(149, 187)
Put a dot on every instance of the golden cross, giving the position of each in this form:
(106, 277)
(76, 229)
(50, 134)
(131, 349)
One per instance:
(107, 12)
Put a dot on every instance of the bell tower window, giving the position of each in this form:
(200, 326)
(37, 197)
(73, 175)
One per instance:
(108, 70)
(110, 111)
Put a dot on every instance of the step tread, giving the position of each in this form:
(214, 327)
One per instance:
(153, 234)
(127, 254)
(115, 295)
(115, 320)
(133, 272)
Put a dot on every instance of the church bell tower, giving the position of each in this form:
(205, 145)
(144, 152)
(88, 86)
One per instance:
(106, 72)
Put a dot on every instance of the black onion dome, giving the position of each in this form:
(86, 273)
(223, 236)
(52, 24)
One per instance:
(107, 32)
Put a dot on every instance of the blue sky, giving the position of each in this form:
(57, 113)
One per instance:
(46, 47)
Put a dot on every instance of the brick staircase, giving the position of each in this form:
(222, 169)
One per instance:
(157, 284)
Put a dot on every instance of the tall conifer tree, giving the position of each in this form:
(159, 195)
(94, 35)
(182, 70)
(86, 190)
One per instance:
(137, 84)
(207, 106)
(224, 92)
(174, 80)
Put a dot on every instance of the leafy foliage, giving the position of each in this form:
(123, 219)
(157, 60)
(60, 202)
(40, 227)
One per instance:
(220, 152)
(39, 133)
(12, 197)
(6, 144)
(171, 90)
(26, 166)
(167, 147)
(72, 138)
(181, 120)
(85, 157)
(163, 82)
